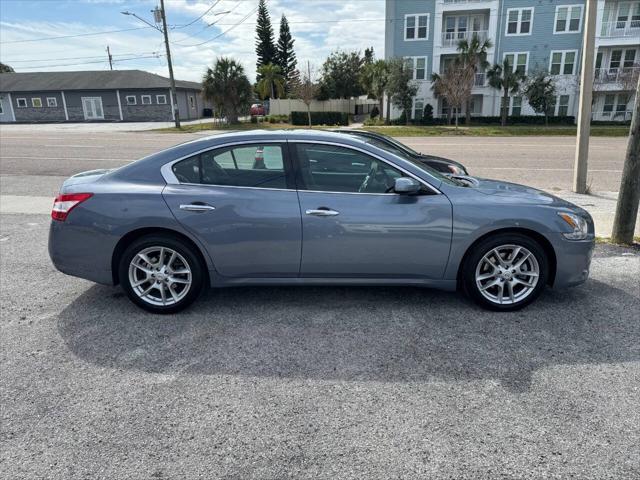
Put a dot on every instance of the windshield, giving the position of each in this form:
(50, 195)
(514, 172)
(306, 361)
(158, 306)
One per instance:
(402, 154)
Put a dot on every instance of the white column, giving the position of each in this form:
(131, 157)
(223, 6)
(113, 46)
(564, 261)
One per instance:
(64, 104)
(13, 113)
(119, 105)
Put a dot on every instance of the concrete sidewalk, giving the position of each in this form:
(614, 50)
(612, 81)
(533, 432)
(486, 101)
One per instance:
(601, 206)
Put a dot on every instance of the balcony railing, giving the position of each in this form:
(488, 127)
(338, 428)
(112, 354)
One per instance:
(620, 29)
(480, 80)
(623, 75)
(463, 1)
(613, 115)
(451, 39)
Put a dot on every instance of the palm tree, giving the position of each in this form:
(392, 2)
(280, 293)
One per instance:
(228, 88)
(504, 77)
(374, 79)
(271, 83)
(473, 54)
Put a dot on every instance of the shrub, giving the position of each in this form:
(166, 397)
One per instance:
(374, 112)
(254, 119)
(320, 118)
(374, 122)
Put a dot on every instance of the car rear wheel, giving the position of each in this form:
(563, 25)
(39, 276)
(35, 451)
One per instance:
(505, 272)
(161, 274)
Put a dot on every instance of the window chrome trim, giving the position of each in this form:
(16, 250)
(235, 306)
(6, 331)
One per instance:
(167, 169)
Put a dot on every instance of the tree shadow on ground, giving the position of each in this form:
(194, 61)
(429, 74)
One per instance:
(363, 334)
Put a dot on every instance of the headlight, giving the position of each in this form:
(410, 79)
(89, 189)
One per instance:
(577, 223)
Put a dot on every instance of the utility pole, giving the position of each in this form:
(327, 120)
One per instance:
(110, 58)
(624, 222)
(174, 97)
(586, 93)
(159, 16)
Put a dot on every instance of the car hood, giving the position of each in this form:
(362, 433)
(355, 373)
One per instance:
(519, 193)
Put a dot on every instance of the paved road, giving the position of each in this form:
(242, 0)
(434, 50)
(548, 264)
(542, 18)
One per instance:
(44, 158)
(329, 383)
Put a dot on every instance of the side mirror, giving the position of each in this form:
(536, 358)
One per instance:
(406, 186)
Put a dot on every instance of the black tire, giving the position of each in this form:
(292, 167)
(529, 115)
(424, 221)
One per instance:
(190, 257)
(477, 253)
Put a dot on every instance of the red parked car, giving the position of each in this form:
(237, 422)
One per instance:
(257, 109)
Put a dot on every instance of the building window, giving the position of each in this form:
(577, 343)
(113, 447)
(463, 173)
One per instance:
(192, 101)
(630, 57)
(1, 108)
(516, 106)
(418, 65)
(21, 102)
(418, 108)
(518, 61)
(36, 102)
(563, 105)
(568, 19)
(146, 99)
(416, 26)
(609, 103)
(519, 21)
(563, 62)
(52, 102)
(131, 100)
(161, 99)
(621, 106)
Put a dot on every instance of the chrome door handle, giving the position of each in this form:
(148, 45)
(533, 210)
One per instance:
(197, 207)
(322, 212)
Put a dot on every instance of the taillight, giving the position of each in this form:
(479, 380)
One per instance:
(63, 204)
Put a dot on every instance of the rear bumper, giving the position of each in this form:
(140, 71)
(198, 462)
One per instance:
(573, 261)
(80, 252)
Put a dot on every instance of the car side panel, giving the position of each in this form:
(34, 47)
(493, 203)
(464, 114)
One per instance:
(84, 244)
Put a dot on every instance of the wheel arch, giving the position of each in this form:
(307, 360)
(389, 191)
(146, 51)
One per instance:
(538, 237)
(133, 235)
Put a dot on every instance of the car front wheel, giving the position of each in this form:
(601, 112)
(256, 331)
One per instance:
(161, 274)
(505, 272)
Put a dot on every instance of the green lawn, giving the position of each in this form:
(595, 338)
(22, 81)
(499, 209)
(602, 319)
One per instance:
(426, 131)
(498, 131)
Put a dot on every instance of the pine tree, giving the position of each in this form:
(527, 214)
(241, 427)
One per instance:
(287, 57)
(265, 47)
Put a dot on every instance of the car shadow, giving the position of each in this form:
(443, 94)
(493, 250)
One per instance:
(356, 333)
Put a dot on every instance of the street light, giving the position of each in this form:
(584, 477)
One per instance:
(161, 16)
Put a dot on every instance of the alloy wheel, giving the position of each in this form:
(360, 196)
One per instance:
(507, 274)
(160, 276)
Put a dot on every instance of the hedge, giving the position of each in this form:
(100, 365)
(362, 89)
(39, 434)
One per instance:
(495, 120)
(320, 118)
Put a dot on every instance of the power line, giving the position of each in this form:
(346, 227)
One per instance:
(92, 62)
(222, 33)
(42, 39)
(217, 23)
(196, 19)
(77, 58)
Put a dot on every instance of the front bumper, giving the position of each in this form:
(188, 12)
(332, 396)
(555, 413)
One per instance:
(573, 260)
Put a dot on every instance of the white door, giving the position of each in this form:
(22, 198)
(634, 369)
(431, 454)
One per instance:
(92, 107)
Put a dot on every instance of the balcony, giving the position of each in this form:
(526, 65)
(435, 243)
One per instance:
(480, 80)
(625, 77)
(447, 2)
(451, 39)
(620, 29)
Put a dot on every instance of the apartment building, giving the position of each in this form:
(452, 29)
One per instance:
(534, 35)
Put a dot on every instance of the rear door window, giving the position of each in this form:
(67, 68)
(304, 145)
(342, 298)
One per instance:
(254, 165)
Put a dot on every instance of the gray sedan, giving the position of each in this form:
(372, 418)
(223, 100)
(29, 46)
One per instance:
(310, 208)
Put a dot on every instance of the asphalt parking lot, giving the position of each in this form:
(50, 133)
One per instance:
(303, 382)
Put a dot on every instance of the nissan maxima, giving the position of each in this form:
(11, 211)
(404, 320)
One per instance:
(311, 208)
